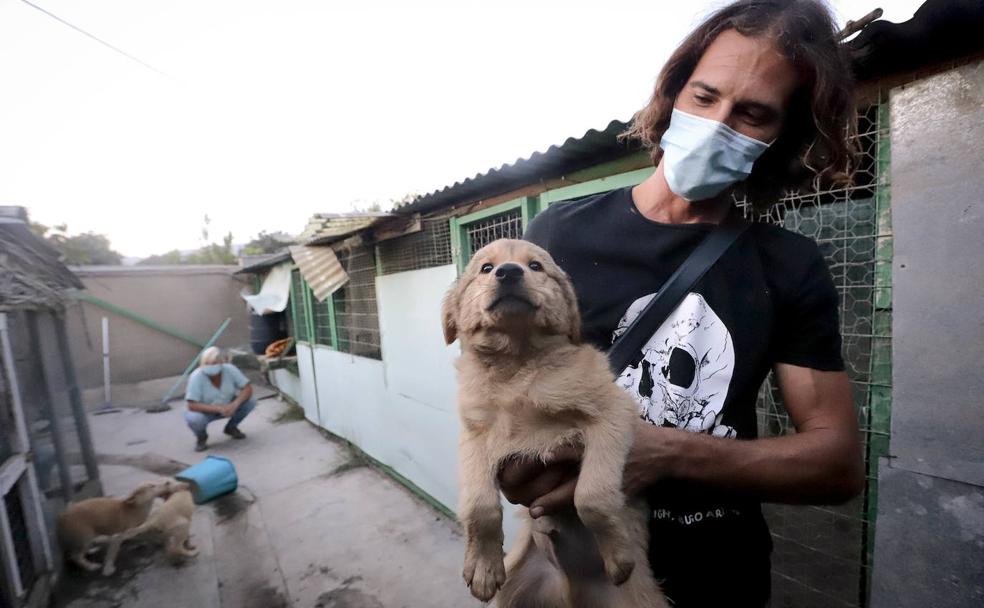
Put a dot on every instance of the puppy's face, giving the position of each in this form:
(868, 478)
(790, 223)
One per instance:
(149, 490)
(173, 485)
(511, 286)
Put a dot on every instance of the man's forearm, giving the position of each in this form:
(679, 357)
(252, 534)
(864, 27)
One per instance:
(204, 408)
(243, 395)
(810, 467)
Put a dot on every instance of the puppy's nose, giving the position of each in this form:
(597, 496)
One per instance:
(509, 273)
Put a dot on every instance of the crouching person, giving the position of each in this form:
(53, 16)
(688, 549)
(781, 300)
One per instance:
(217, 390)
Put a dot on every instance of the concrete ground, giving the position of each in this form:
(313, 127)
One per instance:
(311, 525)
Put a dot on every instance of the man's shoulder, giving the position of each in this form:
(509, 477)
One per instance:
(563, 217)
(592, 203)
(778, 242)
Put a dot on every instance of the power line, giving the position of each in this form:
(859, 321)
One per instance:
(96, 38)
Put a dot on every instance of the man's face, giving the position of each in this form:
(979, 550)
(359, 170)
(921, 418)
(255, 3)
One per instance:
(742, 82)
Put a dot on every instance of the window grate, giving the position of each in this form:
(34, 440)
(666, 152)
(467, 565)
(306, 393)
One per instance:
(425, 249)
(356, 314)
(508, 225)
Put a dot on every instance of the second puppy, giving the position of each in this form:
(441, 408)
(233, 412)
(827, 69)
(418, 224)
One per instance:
(173, 521)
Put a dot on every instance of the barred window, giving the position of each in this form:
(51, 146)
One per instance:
(322, 322)
(297, 294)
(508, 225)
(356, 315)
(429, 247)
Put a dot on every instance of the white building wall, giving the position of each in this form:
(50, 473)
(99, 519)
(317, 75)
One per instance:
(401, 410)
(287, 383)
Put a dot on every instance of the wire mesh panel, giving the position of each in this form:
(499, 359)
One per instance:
(297, 296)
(17, 518)
(822, 555)
(322, 322)
(425, 249)
(508, 225)
(356, 316)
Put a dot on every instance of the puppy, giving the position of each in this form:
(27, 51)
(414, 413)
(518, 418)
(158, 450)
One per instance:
(172, 520)
(526, 387)
(104, 519)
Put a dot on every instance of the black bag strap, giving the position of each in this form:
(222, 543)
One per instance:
(627, 350)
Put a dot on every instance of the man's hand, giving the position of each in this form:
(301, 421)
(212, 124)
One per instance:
(230, 409)
(545, 487)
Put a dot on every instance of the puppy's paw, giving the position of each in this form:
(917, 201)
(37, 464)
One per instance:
(484, 575)
(619, 569)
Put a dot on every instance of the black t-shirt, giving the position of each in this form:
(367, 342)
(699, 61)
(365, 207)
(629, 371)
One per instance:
(769, 299)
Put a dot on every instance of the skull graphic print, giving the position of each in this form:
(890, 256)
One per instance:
(686, 368)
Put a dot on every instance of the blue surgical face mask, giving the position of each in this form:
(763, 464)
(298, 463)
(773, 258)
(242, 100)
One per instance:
(702, 157)
(212, 370)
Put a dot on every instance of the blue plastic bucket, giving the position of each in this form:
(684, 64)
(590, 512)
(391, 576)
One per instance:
(210, 478)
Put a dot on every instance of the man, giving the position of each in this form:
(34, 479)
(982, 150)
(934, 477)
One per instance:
(755, 100)
(217, 390)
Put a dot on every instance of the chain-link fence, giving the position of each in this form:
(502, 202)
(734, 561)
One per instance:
(356, 315)
(429, 247)
(508, 225)
(822, 555)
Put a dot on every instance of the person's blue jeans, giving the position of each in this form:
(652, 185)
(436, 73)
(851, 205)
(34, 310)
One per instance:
(197, 421)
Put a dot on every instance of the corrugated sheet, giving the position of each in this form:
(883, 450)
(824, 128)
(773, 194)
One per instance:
(324, 228)
(939, 31)
(257, 264)
(592, 148)
(31, 274)
(320, 268)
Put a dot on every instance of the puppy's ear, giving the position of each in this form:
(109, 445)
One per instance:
(573, 310)
(131, 498)
(449, 312)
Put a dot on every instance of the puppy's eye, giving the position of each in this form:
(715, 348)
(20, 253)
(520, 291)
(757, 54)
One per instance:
(536, 266)
(487, 268)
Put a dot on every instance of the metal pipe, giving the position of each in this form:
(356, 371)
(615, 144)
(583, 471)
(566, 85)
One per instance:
(138, 318)
(164, 406)
(107, 402)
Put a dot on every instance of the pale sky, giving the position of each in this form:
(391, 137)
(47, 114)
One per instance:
(272, 111)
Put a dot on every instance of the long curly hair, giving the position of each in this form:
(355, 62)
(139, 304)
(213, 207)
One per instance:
(816, 143)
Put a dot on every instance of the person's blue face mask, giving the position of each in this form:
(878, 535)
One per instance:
(212, 370)
(702, 157)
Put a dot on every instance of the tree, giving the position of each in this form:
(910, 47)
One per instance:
(86, 249)
(171, 258)
(266, 242)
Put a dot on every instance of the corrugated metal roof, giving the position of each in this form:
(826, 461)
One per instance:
(320, 268)
(940, 30)
(262, 263)
(31, 274)
(576, 153)
(327, 227)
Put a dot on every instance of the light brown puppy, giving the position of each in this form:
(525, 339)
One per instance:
(172, 520)
(526, 387)
(103, 519)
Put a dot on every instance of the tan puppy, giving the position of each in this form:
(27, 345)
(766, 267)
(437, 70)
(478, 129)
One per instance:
(104, 519)
(173, 521)
(526, 387)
